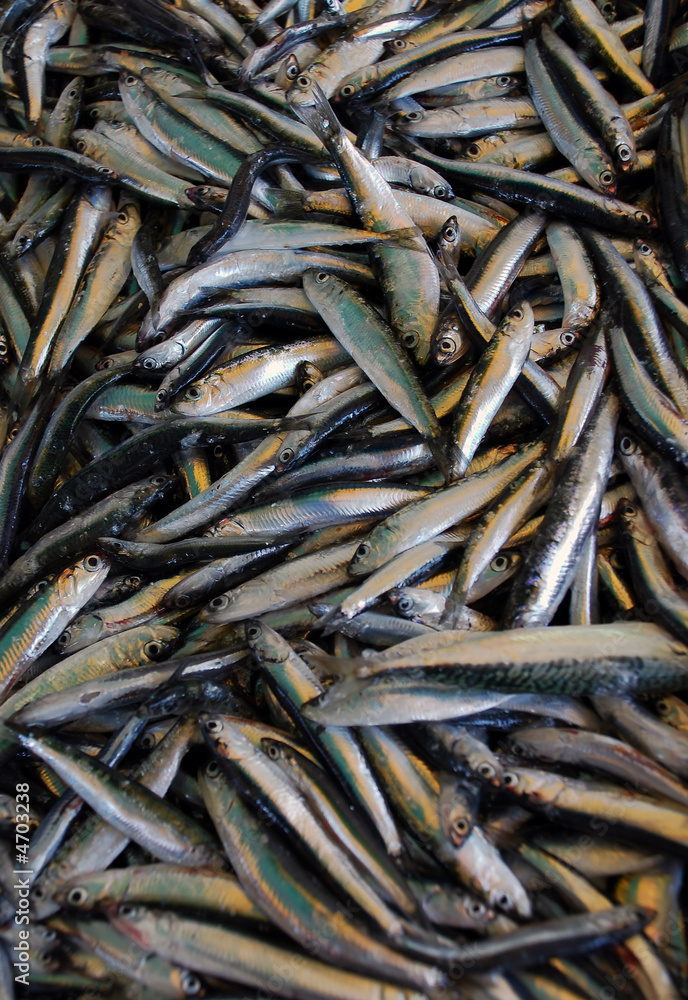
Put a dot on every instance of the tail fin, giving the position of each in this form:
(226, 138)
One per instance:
(286, 203)
(324, 665)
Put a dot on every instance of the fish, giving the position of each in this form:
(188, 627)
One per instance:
(343, 532)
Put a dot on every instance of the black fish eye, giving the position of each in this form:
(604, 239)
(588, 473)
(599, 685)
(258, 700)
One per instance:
(77, 896)
(190, 983)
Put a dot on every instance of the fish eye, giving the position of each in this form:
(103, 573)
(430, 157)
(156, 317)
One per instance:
(304, 80)
(447, 345)
(624, 153)
(439, 191)
(517, 313)
(414, 116)
(568, 339)
(504, 901)
(348, 90)
(130, 80)
(153, 648)
(218, 451)
(158, 480)
(486, 770)
(473, 149)
(510, 780)
(662, 706)
(63, 640)
(127, 910)
(218, 603)
(123, 217)
(449, 233)
(36, 141)
(410, 339)
(644, 249)
(134, 582)
(253, 631)
(405, 604)
(500, 563)
(362, 550)
(183, 601)
(461, 826)
(643, 217)
(627, 445)
(149, 364)
(476, 908)
(292, 69)
(161, 395)
(72, 93)
(190, 983)
(147, 741)
(628, 510)
(398, 44)
(503, 81)
(606, 178)
(92, 563)
(213, 725)
(81, 145)
(273, 752)
(212, 769)
(321, 277)
(194, 392)
(77, 896)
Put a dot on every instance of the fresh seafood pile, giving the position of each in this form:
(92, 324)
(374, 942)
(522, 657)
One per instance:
(343, 500)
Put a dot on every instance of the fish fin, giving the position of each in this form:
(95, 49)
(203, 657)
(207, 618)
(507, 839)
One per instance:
(456, 614)
(329, 617)
(438, 443)
(326, 665)
(287, 203)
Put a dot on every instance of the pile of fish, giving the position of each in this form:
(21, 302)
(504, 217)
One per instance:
(343, 499)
